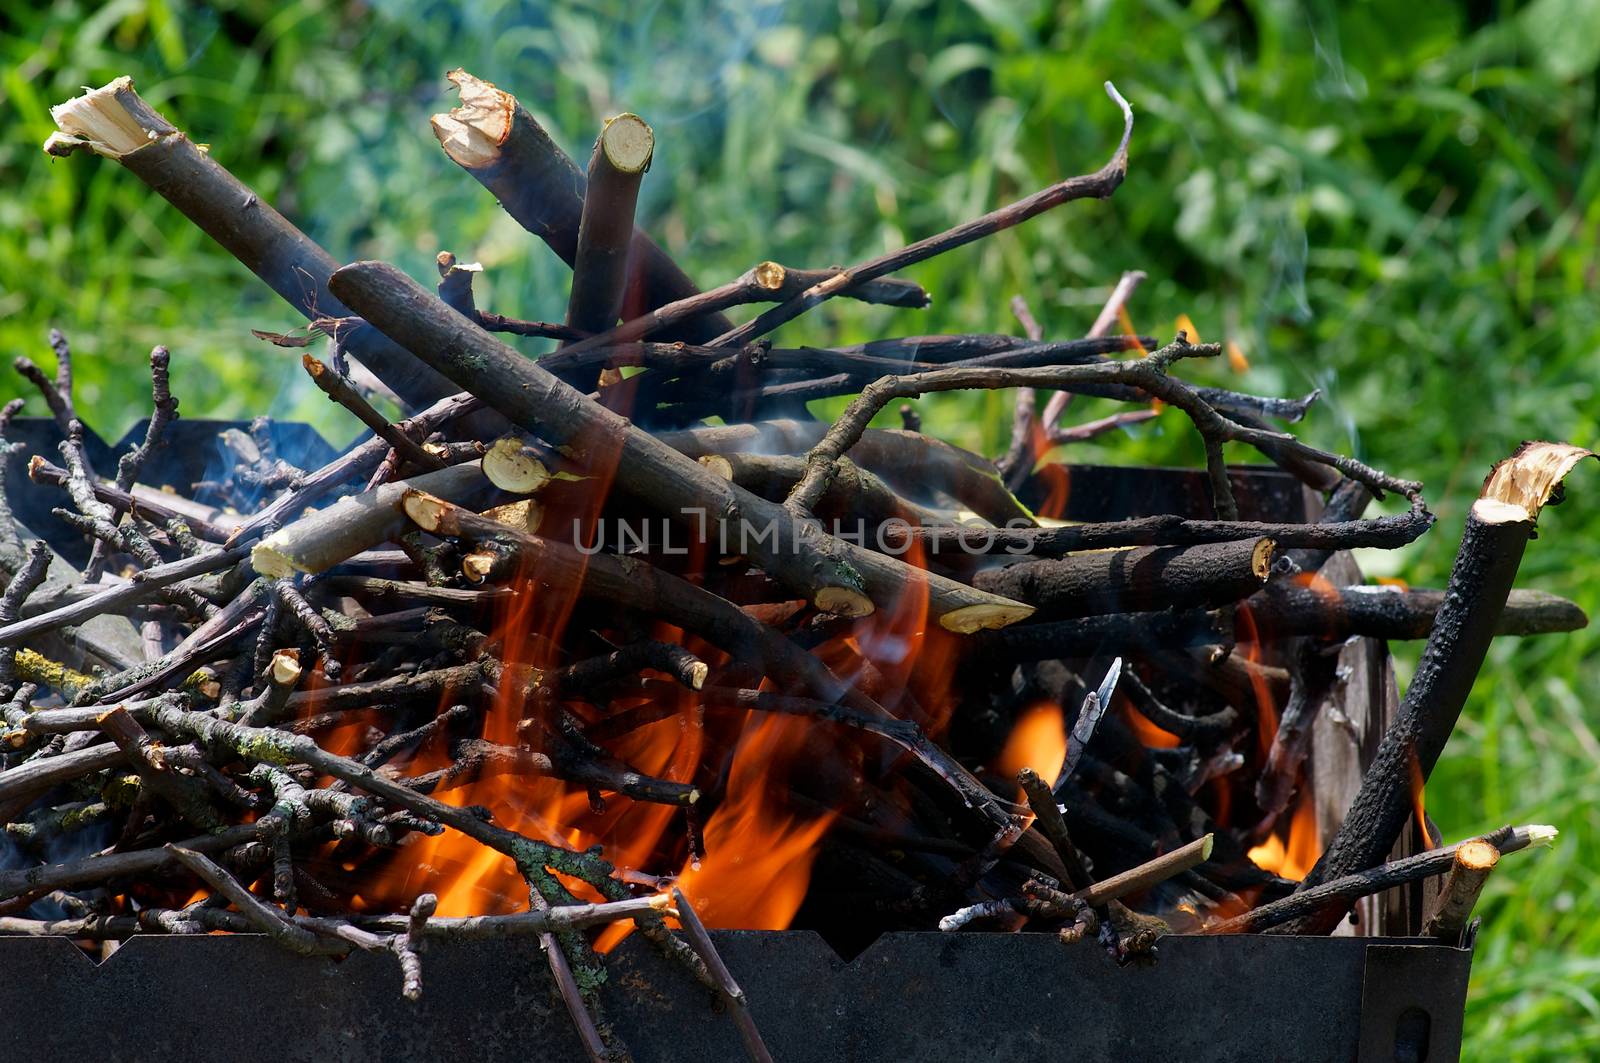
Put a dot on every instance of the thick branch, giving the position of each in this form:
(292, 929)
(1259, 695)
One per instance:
(492, 137)
(835, 575)
(113, 121)
(1499, 526)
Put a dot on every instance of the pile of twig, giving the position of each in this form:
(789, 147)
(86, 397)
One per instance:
(468, 595)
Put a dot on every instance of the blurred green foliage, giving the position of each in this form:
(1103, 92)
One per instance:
(1396, 203)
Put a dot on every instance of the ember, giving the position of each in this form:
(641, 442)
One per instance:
(555, 650)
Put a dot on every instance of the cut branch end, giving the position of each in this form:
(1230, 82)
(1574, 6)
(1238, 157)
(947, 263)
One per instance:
(628, 143)
(472, 132)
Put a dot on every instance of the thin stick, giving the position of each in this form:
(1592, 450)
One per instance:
(148, 506)
(1054, 827)
(103, 867)
(1020, 455)
(1386, 533)
(163, 409)
(358, 461)
(24, 582)
(1148, 874)
(738, 1005)
(144, 586)
(1459, 894)
(1148, 374)
(1340, 893)
(271, 921)
(1126, 285)
(766, 282)
(1098, 185)
(269, 745)
(339, 390)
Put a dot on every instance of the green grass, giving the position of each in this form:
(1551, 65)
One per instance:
(1394, 202)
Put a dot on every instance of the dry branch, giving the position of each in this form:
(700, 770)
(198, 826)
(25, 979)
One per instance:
(113, 121)
(600, 273)
(359, 522)
(837, 576)
(1097, 185)
(1135, 580)
(492, 137)
(1338, 894)
(1499, 526)
(1459, 894)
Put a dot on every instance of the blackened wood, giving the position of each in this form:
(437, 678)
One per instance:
(1276, 617)
(1135, 580)
(1498, 528)
(1316, 610)
(1338, 894)
(1386, 533)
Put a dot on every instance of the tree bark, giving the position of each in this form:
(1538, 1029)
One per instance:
(497, 141)
(835, 575)
(1499, 526)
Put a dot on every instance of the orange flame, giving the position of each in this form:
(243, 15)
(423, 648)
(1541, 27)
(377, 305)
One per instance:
(1038, 740)
(1056, 478)
(759, 843)
(1125, 323)
(759, 854)
(1236, 359)
(1266, 707)
(1296, 857)
(1150, 734)
(1419, 805)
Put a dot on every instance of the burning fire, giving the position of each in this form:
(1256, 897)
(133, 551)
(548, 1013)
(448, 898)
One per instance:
(1148, 733)
(1419, 804)
(1186, 326)
(1266, 707)
(1056, 479)
(1125, 323)
(1236, 359)
(1038, 740)
(1296, 857)
(757, 846)
(758, 853)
